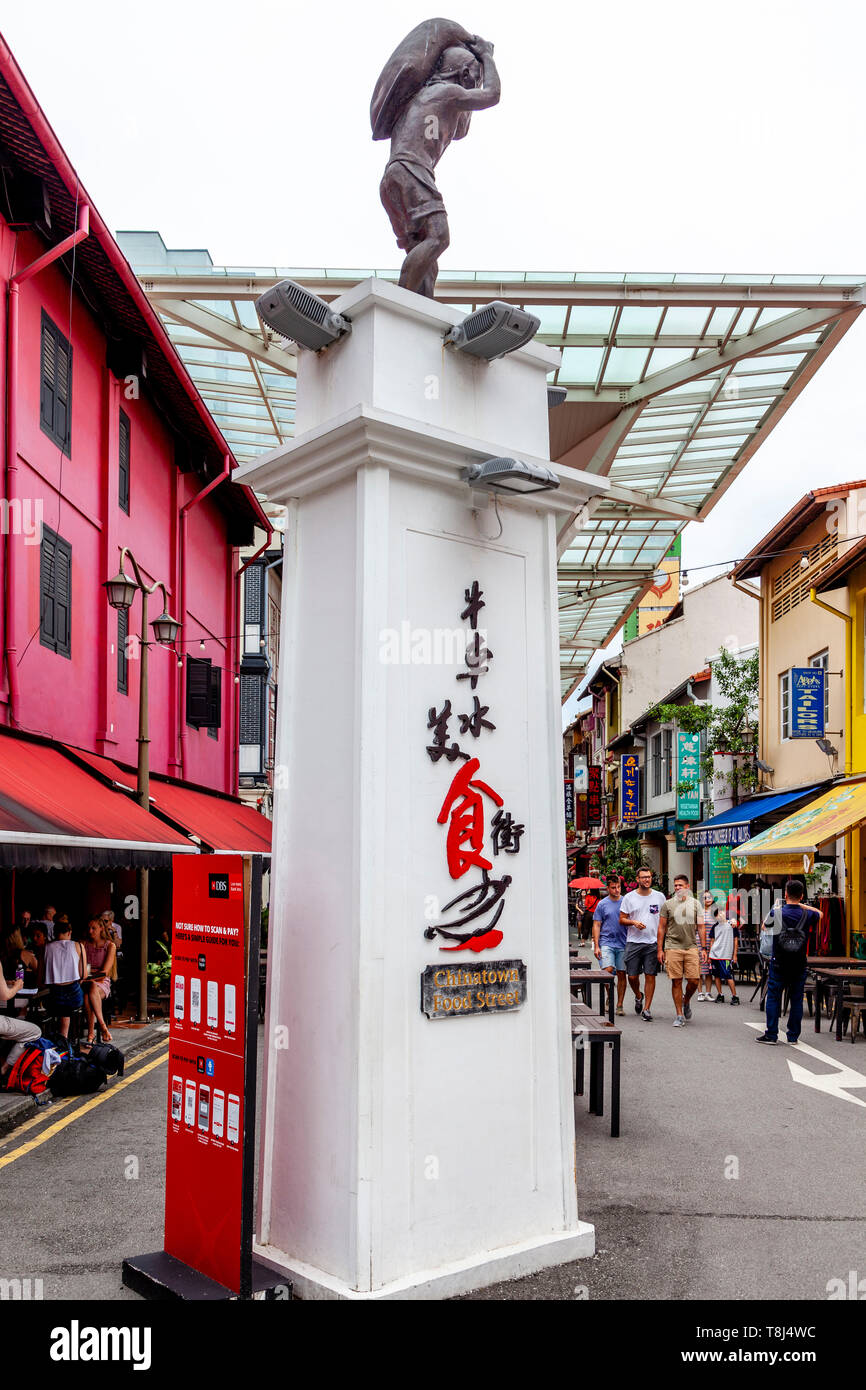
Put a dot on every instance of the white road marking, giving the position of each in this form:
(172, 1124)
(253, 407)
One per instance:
(831, 1083)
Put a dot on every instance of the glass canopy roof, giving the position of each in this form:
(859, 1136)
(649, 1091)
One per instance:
(673, 381)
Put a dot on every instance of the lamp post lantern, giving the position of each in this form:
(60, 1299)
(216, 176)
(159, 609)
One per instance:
(121, 592)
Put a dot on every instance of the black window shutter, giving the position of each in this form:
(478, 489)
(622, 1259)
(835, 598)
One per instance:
(46, 588)
(55, 392)
(63, 398)
(123, 462)
(215, 713)
(62, 598)
(198, 690)
(55, 590)
(48, 376)
(122, 661)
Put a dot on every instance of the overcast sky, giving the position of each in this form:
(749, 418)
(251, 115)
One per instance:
(641, 137)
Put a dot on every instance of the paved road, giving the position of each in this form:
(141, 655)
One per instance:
(669, 1222)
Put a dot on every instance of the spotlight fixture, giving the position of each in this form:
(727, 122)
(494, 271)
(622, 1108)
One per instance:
(827, 747)
(510, 475)
(493, 330)
(308, 320)
(762, 766)
(556, 395)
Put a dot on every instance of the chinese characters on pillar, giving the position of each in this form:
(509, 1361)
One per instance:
(480, 829)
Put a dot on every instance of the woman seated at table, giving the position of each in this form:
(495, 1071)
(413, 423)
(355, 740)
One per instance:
(64, 967)
(101, 957)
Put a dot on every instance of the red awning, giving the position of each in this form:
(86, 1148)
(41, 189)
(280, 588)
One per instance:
(56, 815)
(222, 823)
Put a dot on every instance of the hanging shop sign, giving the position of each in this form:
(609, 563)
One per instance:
(689, 771)
(581, 777)
(721, 878)
(474, 845)
(569, 801)
(593, 796)
(807, 701)
(629, 781)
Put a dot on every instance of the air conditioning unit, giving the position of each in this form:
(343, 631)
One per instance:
(305, 318)
(493, 330)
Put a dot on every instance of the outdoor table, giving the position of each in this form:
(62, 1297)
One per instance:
(838, 978)
(605, 980)
(820, 962)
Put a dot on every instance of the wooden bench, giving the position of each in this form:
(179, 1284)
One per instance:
(588, 1027)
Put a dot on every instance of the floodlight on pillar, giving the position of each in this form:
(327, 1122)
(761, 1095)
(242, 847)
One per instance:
(493, 330)
(305, 318)
(510, 475)
(556, 395)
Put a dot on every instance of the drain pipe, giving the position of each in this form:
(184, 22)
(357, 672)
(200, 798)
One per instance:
(15, 283)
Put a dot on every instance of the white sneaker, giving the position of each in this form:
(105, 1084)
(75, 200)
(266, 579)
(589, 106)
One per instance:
(700, 997)
(679, 1021)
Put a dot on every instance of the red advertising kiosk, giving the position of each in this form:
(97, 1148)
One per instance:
(210, 1146)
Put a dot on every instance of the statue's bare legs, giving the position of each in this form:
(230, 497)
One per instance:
(421, 265)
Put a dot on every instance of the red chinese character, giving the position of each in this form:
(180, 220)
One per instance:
(467, 820)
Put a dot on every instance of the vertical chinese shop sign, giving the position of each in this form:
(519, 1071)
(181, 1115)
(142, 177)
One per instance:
(688, 776)
(205, 1224)
(629, 779)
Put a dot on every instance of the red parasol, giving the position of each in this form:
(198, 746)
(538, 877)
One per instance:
(587, 883)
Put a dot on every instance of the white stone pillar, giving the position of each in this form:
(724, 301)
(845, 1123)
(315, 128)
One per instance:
(405, 1155)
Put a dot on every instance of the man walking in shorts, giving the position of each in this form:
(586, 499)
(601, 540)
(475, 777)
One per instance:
(682, 922)
(608, 937)
(641, 913)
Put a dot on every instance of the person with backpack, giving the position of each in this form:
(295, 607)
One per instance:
(17, 1029)
(790, 923)
(64, 966)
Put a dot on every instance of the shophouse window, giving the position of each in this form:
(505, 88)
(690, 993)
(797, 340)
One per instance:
(785, 705)
(55, 393)
(203, 694)
(122, 657)
(55, 587)
(123, 463)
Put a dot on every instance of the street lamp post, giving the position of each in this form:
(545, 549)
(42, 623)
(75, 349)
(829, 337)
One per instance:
(121, 592)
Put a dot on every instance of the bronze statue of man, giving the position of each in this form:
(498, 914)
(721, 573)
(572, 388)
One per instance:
(423, 100)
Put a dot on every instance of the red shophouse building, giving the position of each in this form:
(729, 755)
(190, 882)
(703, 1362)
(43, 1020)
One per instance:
(106, 443)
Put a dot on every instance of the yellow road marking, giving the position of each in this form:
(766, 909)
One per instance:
(51, 1112)
(89, 1105)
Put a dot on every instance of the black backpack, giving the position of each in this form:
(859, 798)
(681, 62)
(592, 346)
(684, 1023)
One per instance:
(793, 938)
(77, 1076)
(109, 1057)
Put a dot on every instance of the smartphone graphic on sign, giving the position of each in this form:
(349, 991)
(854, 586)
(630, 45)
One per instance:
(234, 1115)
(189, 1104)
(178, 996)
(219, 1106)
(176, 1098)
(195, 999)
(230, 1008)
(213, 1005)
(204, 1108)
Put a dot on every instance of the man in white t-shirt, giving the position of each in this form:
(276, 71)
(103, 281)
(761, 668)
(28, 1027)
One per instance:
(641, 913)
